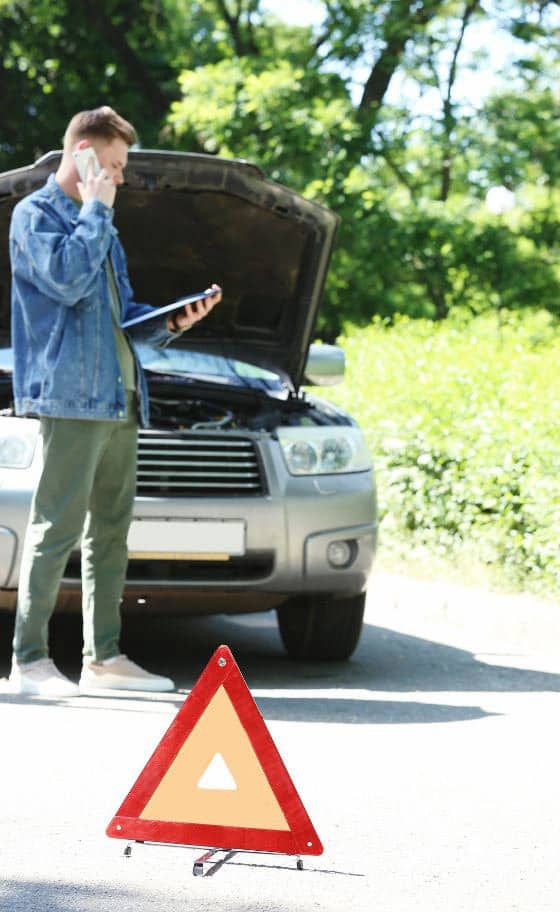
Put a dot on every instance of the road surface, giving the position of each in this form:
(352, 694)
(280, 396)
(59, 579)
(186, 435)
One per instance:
(428, 764)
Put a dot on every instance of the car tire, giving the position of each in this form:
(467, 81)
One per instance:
(320, 626)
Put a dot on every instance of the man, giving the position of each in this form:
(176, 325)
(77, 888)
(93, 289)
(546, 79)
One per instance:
(77, 370)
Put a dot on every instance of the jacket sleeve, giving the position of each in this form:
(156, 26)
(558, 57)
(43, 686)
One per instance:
(60, 265)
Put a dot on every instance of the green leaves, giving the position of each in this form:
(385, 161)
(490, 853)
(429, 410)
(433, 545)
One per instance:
(463, 421)
(317, 109)
(58, 57)
(291, 121)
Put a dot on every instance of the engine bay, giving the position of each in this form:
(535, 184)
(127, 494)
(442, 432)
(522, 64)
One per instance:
(197, 406)
(192, 405)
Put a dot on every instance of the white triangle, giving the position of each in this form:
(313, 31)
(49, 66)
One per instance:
(217, 775)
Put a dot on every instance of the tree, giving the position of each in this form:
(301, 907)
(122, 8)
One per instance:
(318, 109)
(410, 188)
(60, 56)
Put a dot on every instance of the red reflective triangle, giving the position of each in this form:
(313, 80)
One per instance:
(176, 798)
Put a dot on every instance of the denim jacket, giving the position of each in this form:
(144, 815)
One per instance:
(65, 358)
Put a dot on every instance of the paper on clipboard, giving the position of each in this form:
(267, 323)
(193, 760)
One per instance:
(167, 308)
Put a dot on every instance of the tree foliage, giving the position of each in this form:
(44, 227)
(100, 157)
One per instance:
(466, 462)
(61, 56)
(369, 111)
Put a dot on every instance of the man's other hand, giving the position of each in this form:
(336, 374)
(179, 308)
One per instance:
(192, 313)
(100, 187)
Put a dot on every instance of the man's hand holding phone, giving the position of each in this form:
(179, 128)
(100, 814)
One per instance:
(98, 187)
(192, 313)
(95, 183)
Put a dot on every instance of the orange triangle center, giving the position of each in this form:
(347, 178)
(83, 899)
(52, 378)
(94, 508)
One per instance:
(179, 797)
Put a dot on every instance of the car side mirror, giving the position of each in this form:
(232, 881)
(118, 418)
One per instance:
(325, 365)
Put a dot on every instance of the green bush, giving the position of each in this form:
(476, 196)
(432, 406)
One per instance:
(463, 421)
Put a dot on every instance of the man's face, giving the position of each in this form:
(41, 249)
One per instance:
(113, 156)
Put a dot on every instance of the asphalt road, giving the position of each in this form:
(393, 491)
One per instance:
(428, 765)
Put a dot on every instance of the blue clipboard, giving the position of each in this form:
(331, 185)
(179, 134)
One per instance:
(167, 308)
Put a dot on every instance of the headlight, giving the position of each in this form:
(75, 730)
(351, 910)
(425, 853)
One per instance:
(16, 448)
(323, 451)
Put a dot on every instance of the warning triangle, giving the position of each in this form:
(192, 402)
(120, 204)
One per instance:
(216, 778)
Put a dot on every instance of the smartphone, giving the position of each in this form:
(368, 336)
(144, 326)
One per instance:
(84, 159)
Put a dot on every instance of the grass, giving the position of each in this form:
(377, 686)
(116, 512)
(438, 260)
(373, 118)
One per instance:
(463, 421)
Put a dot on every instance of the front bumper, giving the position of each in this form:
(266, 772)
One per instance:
(286, 545)
(287, 534)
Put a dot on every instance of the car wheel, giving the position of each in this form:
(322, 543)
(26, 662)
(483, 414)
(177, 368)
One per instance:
(320, 626)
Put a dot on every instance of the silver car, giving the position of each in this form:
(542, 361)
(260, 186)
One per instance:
(251, 494)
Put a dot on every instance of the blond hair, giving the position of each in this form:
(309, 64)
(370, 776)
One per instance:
(101, 123)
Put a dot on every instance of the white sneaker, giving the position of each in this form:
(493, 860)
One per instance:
(119, 673)
(41, 678)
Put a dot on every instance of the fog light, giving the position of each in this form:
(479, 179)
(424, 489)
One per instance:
(340, 553)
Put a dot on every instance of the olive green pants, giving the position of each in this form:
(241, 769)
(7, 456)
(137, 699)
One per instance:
(86, 489)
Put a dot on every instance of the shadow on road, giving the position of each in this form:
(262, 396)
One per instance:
(385, 661)
(23, 895)
(282, 709)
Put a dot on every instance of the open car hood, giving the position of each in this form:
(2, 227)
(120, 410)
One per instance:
(189, 220)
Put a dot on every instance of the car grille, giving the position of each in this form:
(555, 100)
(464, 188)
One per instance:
(197, 465)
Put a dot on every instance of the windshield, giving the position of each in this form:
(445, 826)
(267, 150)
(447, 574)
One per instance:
(188, 363)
